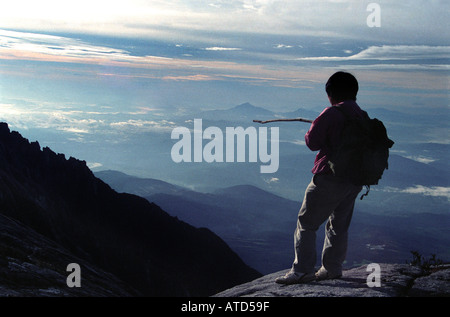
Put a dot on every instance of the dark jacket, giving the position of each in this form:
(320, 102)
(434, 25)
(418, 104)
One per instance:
(324, 133)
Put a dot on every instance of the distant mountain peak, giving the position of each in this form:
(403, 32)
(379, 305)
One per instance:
(246, 105)
(249, 109)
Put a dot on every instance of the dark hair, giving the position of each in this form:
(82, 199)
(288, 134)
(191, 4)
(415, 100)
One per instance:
(342, 86)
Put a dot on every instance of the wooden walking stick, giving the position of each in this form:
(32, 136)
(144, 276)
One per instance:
(282, 120)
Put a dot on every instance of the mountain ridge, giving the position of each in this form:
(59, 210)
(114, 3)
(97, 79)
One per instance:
(122, 233)
(259, 225)
(248, 112)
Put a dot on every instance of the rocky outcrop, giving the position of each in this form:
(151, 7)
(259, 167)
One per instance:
(396, 280)
(33, 265)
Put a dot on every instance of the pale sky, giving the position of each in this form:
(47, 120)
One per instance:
(402, 21)
(134, 55)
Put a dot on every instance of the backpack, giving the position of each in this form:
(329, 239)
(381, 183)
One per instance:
(363, 152)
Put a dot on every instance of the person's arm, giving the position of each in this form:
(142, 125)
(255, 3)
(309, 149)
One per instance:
(316, 136)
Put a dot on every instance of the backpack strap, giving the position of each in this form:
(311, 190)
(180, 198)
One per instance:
(348, 116)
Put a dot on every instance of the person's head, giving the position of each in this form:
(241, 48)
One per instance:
(341, 86)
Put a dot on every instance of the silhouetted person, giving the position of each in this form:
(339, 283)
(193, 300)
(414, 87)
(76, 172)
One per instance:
(327, 198)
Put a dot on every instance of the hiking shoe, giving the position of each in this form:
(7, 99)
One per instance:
(323, 274)
(295, 278)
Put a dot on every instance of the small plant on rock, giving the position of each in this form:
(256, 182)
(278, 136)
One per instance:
(424, 263)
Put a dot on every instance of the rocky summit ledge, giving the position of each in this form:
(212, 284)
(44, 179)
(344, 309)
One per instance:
(396, 280)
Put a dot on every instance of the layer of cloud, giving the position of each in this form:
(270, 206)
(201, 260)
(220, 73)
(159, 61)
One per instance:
(435, 191)
(46, 48)
(304, 73)
(390, 53)
(421, 159)
(36, 46)
(48, 117)
(218, 48)
(80, 123)
(139, 125)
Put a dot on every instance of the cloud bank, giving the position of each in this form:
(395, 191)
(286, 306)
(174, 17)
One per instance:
(435, 191)
(392, 53)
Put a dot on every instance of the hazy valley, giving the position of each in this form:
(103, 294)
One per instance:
(255, 213)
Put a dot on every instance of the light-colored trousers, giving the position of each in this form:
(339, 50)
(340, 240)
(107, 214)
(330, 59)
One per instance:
(326, 197)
